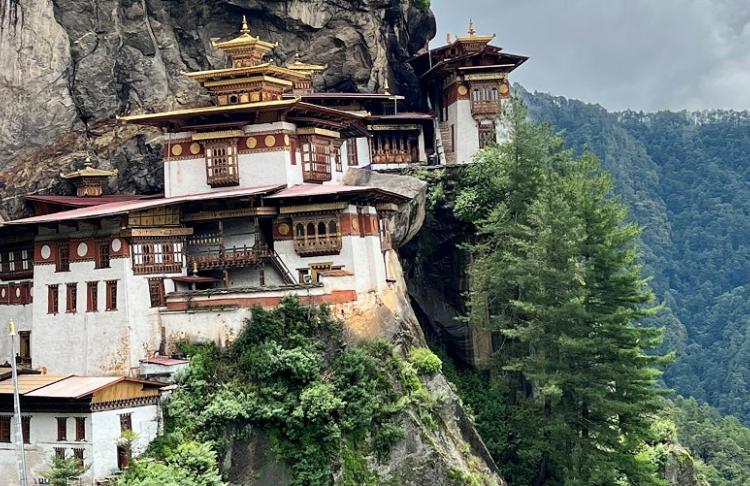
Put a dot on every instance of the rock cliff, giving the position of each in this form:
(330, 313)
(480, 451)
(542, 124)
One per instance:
(67, 67)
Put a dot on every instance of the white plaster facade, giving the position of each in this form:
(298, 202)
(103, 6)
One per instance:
(99, 446)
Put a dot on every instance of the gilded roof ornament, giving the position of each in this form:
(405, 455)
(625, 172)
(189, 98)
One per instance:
(89, 171)
(245, 29)
(472, 35)
(305, 68)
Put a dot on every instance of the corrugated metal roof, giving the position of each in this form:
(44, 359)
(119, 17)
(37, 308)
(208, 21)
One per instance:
(308, 190)
(164, 361)
(80, 202)
(74, 386)
(115, 208)
(29, 383)
(81, 386)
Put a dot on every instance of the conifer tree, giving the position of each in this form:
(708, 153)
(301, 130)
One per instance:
(556, 277)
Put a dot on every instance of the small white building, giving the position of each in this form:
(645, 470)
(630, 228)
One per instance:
(77, 416)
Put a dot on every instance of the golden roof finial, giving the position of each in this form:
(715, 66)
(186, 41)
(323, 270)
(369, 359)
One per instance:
(472, 28)
(449, 38)
(245, 29)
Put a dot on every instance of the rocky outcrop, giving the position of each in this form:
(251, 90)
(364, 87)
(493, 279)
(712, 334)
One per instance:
(67, 67)
(680, 468)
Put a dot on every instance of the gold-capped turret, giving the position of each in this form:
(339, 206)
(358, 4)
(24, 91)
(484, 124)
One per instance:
(245, 50)
(89, 181)
(304, 68)
(472, 41)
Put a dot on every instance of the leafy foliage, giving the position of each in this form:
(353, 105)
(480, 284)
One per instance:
(326, 408)
(425, 361)
(721, 443)
(61, 469)
(555, 274)
(188, 464)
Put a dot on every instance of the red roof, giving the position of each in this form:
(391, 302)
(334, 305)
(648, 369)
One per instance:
(115, 208)
(313, 190)
(80, 202)
(164, 361)
(80, 386)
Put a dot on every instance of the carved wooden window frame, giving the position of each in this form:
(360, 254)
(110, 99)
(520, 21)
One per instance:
(222, 163)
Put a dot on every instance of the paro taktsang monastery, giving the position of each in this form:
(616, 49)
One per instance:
(254, 207)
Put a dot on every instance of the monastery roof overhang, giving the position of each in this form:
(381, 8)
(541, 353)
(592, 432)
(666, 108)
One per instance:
(119, 208)
(346, 96)
(81, 202)
(490, 56)
(294, 110)
(301, 193)
(407, 116)
(239, 72)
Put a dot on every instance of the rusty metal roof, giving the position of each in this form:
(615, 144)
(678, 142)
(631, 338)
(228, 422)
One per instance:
(318, 190)
(29, 383)
(164, 361)
(116, 208)
(79, 202)
(81, 386)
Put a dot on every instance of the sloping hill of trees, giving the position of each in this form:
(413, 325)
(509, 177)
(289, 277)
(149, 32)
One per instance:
(686, 179)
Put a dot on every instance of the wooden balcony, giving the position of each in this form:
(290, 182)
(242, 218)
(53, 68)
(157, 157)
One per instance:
(149, 268)
(395, 157)
(7, 274)
(485, 108)
(314, 177)
(235, 257)
(328, 245)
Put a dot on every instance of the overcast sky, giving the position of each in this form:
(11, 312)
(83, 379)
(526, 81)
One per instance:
(638, 54)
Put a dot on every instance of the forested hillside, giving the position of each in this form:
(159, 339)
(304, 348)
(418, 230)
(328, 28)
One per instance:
(686, 179)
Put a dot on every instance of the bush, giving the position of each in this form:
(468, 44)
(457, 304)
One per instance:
(62, 469)
(288, 374)
(425, 361)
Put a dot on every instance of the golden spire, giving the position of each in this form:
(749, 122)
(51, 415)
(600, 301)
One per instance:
(449, 38)
(245, 29)
(472, 28)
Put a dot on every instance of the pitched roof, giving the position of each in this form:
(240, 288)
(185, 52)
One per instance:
(80, 202)
(29, 383)
(164, 361)
(116, 208)
(320, 190)
(81, 386)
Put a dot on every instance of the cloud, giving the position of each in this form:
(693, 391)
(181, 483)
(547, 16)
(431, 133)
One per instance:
(638, 54)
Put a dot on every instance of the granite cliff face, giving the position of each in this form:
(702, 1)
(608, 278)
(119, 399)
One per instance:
(67, 67)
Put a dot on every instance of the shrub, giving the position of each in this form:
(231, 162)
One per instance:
(425, 361)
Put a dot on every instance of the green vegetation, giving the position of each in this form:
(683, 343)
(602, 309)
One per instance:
(722, 444)
(61, 469)
(572, 395)
(188, 464)
(686, 179)
(329, 410)
(422, 4)
(425, 361)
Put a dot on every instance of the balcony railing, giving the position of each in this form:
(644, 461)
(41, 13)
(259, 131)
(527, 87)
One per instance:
(485, 107)
(325, 245)
(235, 257)
(148, 267)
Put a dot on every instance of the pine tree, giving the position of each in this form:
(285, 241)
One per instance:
(555, 275)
